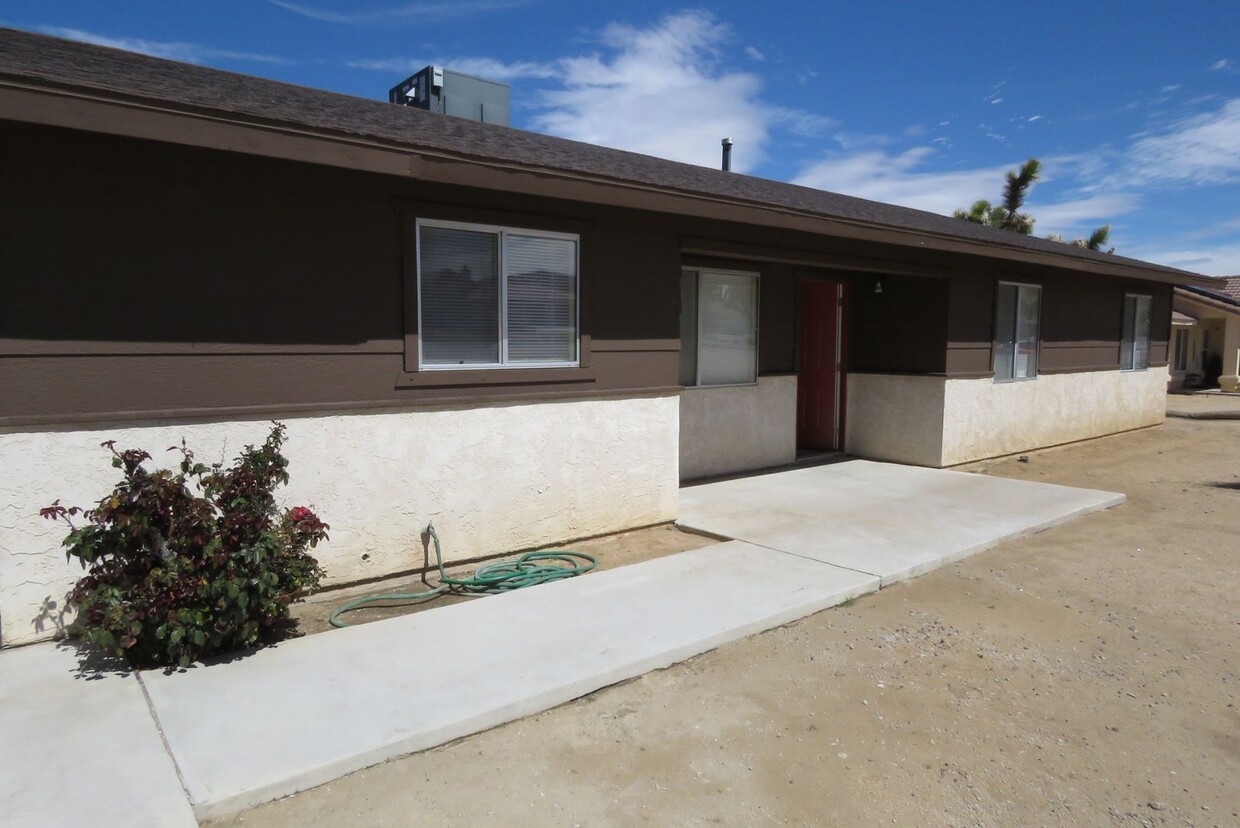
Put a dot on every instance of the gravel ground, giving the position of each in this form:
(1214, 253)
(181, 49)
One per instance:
(1087, 675)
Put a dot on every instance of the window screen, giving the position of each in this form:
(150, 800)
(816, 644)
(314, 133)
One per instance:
(542, 299)
(490, 297)
(460, 296)
(1018, 309)
(1181, 350)
(719, 328)
(1135, 348)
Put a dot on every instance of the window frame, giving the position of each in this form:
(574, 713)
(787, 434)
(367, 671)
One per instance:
(1149, 335)
(697, 332)
(1037, 364)
(1181, 337)
(501, 231)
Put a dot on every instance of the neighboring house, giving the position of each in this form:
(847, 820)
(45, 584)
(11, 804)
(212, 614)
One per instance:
(523, 338)
(1205, 347)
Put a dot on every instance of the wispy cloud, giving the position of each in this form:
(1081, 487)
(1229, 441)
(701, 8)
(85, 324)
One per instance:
(1218, 260)
(901, 178)
(754, 54)
(409, 12)
(907, 178)
(1081, 215)
(664, 90)
(1220, 65)
(1203, 149)
(173, 50)
(482, 67)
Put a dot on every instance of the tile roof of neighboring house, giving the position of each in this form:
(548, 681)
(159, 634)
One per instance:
(48, 63)
(1230, 287)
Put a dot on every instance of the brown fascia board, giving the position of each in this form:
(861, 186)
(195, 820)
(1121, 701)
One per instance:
(114, 113)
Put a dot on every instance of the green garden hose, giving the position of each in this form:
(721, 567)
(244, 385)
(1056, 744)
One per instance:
(530, 569)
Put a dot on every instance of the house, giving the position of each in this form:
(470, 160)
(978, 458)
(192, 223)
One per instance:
(1205, 347)
(523, 338)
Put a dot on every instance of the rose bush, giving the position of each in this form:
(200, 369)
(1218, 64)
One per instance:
(185, 564)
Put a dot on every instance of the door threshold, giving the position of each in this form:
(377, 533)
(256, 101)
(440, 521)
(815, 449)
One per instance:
(818, 457)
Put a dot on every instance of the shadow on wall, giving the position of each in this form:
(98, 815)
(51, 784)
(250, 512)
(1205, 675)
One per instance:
(53, 615)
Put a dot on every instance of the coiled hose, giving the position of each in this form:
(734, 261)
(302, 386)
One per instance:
(529, 570)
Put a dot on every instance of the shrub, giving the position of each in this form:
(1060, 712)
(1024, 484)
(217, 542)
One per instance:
(185, 564)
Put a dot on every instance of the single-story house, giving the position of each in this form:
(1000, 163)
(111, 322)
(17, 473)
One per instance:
(524, 338)
(1205, 346)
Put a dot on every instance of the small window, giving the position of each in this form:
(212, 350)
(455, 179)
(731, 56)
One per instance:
(1181, 349)
(1018, 310)
(1135, 349)
(718, 328)
(491, 297)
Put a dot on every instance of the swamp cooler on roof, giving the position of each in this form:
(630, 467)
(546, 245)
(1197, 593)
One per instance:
(437, 89)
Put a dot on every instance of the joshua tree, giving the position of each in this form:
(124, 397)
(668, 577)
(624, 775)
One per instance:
(1007, 216)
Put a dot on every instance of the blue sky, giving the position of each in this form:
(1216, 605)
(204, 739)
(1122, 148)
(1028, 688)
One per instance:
(1133, 107)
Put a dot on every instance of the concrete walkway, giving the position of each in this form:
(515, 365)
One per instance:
(1213, 405)
(82, 752)
(885, 520)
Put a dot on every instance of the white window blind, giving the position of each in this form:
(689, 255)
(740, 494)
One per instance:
(491, 297)
(542, 298)
(727, 341)
(1135, 348)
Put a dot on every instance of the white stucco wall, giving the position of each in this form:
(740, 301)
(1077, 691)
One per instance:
(493, 479)
(932, 421)
(895, 417)
(983, 418)
(736, 428)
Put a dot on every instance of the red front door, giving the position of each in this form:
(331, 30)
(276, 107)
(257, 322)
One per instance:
(820, 375)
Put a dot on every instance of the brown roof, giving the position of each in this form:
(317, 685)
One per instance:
(49, 63)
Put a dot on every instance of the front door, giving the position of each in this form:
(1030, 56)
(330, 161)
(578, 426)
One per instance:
(820, 376)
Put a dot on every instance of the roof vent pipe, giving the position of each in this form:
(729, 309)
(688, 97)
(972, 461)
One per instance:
(727, 154)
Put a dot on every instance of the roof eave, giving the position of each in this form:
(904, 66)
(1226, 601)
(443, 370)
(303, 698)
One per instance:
(22, 99)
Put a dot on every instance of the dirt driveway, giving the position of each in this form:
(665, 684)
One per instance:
(1088, 675)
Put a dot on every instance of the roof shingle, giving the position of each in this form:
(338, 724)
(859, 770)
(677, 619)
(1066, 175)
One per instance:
(67, 64)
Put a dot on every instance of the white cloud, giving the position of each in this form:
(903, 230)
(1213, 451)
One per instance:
(754, 54)
(482, 67)
(1219, 260)
(896, 179)
(1220, 65)
(1080, 216)
(662, 91)
(173, 50)
(1203, 149)
(412, 12)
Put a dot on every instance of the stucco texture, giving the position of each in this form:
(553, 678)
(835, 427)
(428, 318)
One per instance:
(895, 417)
(934, 421)
(493, 479)
(736, 428)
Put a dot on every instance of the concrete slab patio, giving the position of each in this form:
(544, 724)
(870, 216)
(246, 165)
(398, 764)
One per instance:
(883, 519)
(1204, 405)
(235, 734)
(79, 751)
(316, 708)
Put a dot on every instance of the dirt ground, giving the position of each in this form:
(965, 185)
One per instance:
(1087, 675)
(620, 549)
